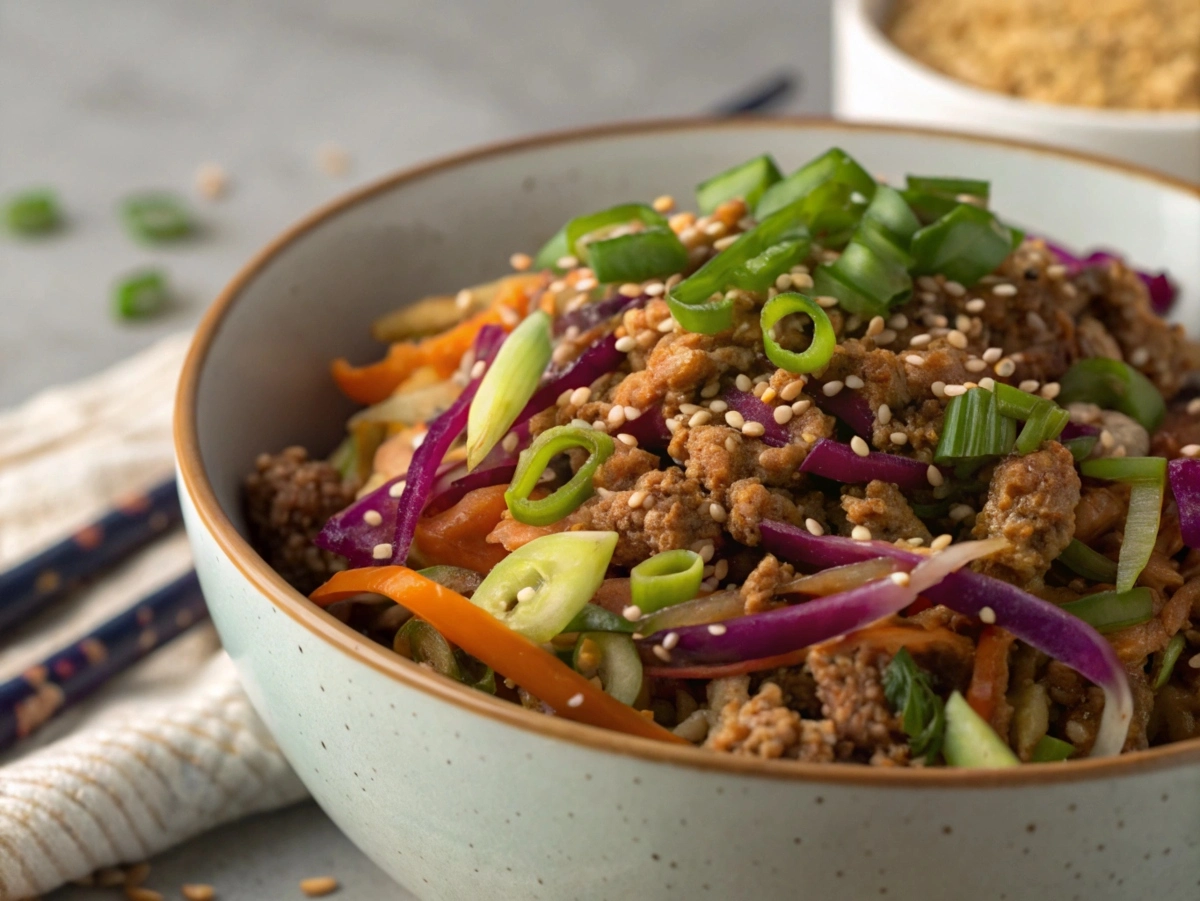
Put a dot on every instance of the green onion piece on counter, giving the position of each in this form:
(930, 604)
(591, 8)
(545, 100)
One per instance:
(33, 212)
(508, 385)
(614, 658)
(1081, 448)
(1114, 385)
(1108, 611)
(1147, 477)
(595, 226)
(157, 216)
(141, 295)
(974, 429)
(1047, 422)
(1051, 750)
(1089, 563)
(909, 692)
(422, 643)
(1166, 663)
(652, 253)
(552, 251)
(970, 741)
(833, 166)
(821, 348)
(533, 462)
(747, 181)
(457, 578)
(593, 618)
(964, 245)
(892, 214)
(539, 588)
(666, 579)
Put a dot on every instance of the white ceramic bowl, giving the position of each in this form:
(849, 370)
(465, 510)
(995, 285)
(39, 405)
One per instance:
(875, 81)
(459, 795)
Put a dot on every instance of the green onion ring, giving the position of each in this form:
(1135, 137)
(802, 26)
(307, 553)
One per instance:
(819, 352)
(533, 462)
(665, 579)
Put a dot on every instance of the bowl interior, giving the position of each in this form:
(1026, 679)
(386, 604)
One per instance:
(310, 297)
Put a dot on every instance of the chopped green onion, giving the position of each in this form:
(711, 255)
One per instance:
(157, 216)
(970, 741)
(1051, 750)
(594, 226)
(1108, 611)
(1170, 656)
(1114, 385)
(665, 579)
(552, 251)
(1147, 477)
(759, 273)
(540, 587)
(422, 643)
(33, 212)
(141, 295)
(1047, 422)
(864, 281)
(593, 618)
(832, 212)
(833, 166)
(964, 245)
(953, 188)
(1016, 403)
(1081, 448)
(508, 385)
(910, 694)
(652, 253)
(618, 664)
(974, 429)
(821, 348)
(747, 181)
(533, 462)
(889, 211)
(1089, 563)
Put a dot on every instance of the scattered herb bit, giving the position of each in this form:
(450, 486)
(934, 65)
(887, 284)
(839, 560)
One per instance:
(141, 295)
(1166, 663)
(921, 711)
(33, 212)
(157, 216)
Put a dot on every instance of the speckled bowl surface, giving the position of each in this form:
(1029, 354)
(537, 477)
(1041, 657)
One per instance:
(458, 795)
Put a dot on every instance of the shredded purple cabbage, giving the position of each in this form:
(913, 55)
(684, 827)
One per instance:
(839, 462)
(754, 410)
(1163, 291)
(848, 406)
(1184, 475)
(592, 314)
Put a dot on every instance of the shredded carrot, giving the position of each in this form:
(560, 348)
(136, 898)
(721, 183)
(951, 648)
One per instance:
(891, 635)
(457, 537)
(483, 636)
(373, 383)
(989, 681)
(720, 670)
(511, 534)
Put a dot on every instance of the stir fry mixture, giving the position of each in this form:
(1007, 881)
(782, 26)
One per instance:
(832, 471)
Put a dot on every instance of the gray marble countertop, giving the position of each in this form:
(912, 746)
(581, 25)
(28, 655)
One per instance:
(100, 99)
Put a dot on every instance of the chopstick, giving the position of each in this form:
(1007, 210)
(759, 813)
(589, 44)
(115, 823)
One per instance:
(41, 580)
(43, 691)
(761, 97)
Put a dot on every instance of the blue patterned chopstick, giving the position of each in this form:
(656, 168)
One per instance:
(43, 579)
(43, 691)
(760, 97)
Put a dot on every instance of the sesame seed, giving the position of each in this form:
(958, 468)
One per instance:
(941, 542)
(721, 570)
(520, 261)
(319, 885)
(632, 413)
(783, 415)
(627, 439)
(975, 365)
(1029, 386)
(702, 418)
(988, 383)
(632, 613)
(830, 389)
(898, 321)
(987, 615)
(853, 381)
(743, 382)
(731, 444)
(977, 305)
(938, 388)
(584, 284)
(717, 629)
(718, 406)
(954, 289)
(662, 653)
(526, 594)
(1050, 390)
(626, 344)
(826, 302)
(898, 438)
(901, 579)
(617, 415)
(397, 489)
(654, 289)
(920, 340)
(636, 499)
(992, 354)
(664, 203)
(567, 262)
(1190, 450)
(886, 337)
(860, 533)
(957, 339)
(670, 640)
(884, 414)
(1140, 357)
(382, 551)
(1056, 271)
(373, 518)
(859, 446)
(1005, 368)
(963, 323)
(959, 512)
(1193, 406)
(717, 512)
(801, 406)
(758, 389)
(1107, 441)
(769, 394)
(1005, 290)
(715, 229)
(792, 389)
(783, 282)
(914, 360)
(711, 389)
(689, 409)
(814, 527)
(706, 551)
(581, 423)
(1194, 661)
(667, 325)
(478, 368)
(754, 429)
(935, 477)
(672, 425)
(735, 419)
(955, 390)
(580, 396)
(723, 243)
(875, 326)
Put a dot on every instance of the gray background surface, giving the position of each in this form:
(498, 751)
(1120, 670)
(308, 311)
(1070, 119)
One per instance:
(99, 99)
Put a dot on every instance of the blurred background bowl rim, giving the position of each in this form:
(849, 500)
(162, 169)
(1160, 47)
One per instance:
(1006, 104)
(199, 491)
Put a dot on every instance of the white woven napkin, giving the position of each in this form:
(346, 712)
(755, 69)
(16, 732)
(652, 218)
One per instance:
(172, 747)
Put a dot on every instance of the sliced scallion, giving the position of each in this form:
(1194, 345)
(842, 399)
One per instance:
(964, 245)
(533, 462)
(1089, 563)
(156, 216)
(1114, 385)
(552, 251)
(1081, 447)
(583, 229)
(1051, 750)
(665, 579)
(614, 658)
(141, 295)
(652, 253)
(1048, 421)
(974, 430)
(834, 165)
(819, 351)
(1166, 663)
(33, 212)
(1147, 477)
(748, 181)
(593, 618)
(1108, 611)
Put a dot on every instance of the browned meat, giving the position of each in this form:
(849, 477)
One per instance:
(759, 588)
(288, 499)
(750, 503)
(621, 471)
(1101, 508)
(1178, 430)
(850, 686)
(1135, 643)
(1031, 503)
(883, 509)
(764, 727)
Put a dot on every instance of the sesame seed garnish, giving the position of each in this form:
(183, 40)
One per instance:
(520, 261)
(886, 337)
(576, 700)
(580, 396)
(627, 439)
(1050, 390)
(814, 527)
(1194, 661)
(585, 284)
(581, 423)
(664, 203)
(860, 533)
(743, 382)
(636, 498)
(702, 418)
(735, 419)
(783, 282)
(920, 340)
(632, 413)
(617, 415)
(1005, 368)
(670, 640)
(957, 339)
(731, 444)
(1190, 450)
(976, 305)
(769, 394)
(875, 326)
(397, 489)
(689, 409)
(829, 389)
(758, 389)
(963, 323)
(721, 570)
(526, 594)
(667, 325)
(959, 512)
(1193, 406)
(754, 429)
(717, 512)
(938, 388)
(673, 425)
(853, 381)
(706, 551)
(718, 406)
(792, 389)
(901, 579)
(884, 414)
(655, 289)
(373, 518)
(478, 368)
(717, 629)
(859, 446)
(1107, 441)
(1029, 386)
(826, 302)
(914, 360)
(382, 551)
(988, 383)
(975, 365)
(801, 406)
(898, 321)
(662, 653)
(955, 390)
(1139, 357)
(1005, 290)
(632, 613)
(783, 415)
(935, 477)
(626, 344)
(941, 542)
(954, 289)
(318, 886)
(898, 438)
(567, 262)
(987, 615)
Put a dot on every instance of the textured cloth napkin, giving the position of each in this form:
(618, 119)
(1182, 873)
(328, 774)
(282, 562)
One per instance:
(172, 747)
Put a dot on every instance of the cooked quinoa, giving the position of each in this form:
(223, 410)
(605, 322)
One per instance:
(1121, 54)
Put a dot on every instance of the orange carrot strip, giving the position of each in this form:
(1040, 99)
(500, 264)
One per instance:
(989, 681)
(457, 536)
(483, 636)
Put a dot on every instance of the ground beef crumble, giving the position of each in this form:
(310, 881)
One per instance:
(850, 686)
(763, 727)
